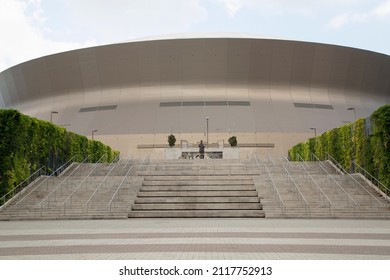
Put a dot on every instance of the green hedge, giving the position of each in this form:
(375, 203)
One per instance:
(26, 144)
(350, 143)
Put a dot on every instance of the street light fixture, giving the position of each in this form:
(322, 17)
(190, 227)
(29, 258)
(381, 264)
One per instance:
(315, 131)
(51, 115)
(93, 131)
(207, 131)
(354, 113)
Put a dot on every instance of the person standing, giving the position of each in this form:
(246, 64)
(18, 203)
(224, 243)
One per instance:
(201, 149)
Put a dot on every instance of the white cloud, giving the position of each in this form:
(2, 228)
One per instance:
(379, 12)
(382, 10)
(33, 28)
(233, 6)
(21, 30)
(118, 20)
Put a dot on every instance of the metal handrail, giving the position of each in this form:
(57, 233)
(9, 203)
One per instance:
(97, 189)
(315, 182)
(60, 184)
(52, 174)
(81, 183)
(304, 161)
(286, 159)
(339, 165)
(114, 161)
(273, 163)
(124, 167)
(336, 164)
(60, 169)
(273, 183)
(23, 184)
(296, 186)
(372, 177)
(121, 183)
(337, 183)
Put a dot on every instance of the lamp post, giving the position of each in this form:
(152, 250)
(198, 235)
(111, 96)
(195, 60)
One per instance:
(315, 131)
(207, 131)
(354, 113)
(51, 115)
(93, 131)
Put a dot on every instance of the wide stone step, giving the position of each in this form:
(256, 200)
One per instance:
(196, 206)
(197, 188)
(196, 172)
(197, 183)
(196, 178)
(199, 214)
(184, 199)
(198, 193)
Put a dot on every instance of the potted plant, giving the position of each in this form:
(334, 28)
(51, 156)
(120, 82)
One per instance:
(233, 141)
(171, 140)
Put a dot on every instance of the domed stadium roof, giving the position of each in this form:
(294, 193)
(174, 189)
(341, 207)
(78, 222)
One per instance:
(244, 84)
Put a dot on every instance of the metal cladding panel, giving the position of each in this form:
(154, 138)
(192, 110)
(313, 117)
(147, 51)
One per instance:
(193, 61)
(193, 93)
(383, 81)
(168, 119)
(64, 73)
(91, 98)
(107, 63)
(128, 65)
(301, 94)
(215, 58)
(89, 70)
(192, 119)
(149, 70)
(322, 65)
(8, 88)
(302, 64)
(340, 65)
(355, 70)
(36, 80)
(172, 93)
(219, 118)
(319, 96)
(260, 63)
(262, 109)
(238, 58)
(110, 96)
(170, 62)
(216, 92)
(281, 69)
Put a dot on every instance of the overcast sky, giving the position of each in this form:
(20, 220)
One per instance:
(34, 28)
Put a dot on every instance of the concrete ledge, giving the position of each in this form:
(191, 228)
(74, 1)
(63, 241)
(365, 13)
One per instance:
(199, 193)
(198, 206)
(199, 214)
(197, 188)
(179, 200)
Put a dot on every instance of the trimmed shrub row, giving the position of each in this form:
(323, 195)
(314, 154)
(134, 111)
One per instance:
(365, 142)
(26, 144)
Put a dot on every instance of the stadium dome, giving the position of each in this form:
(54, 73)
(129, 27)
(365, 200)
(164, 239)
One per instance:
(269, 93)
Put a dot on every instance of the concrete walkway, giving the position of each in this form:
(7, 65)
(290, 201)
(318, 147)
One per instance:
(187, 239)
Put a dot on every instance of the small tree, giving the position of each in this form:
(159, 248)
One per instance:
(233, 141)
(171, 140)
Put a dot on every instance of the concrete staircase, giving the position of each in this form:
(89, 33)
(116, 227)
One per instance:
(203, 189)
(83, 191)
(198, 188)
(318, 193)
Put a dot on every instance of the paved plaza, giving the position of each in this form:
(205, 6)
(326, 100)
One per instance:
(195, 239)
